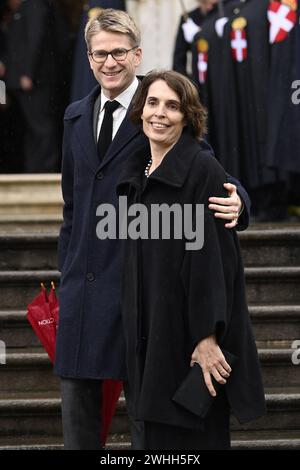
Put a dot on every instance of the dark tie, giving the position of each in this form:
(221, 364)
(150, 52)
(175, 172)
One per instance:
(105, 136)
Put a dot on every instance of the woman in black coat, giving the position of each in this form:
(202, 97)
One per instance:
(183, 300)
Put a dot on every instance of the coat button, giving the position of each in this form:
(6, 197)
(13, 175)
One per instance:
(90, 277)
(99, 175)
(236, 11)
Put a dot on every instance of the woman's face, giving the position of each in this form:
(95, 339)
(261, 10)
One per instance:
(162, 118)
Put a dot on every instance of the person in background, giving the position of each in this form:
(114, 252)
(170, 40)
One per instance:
(190, 24)
(11, 134)
(183, 305)
(37, 40)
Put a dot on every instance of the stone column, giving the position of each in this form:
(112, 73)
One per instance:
(158, 21)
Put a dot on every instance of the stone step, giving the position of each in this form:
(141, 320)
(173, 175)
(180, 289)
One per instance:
(283, 412)
(40, 414)
(31, 443)
(37, 250)
(240, 440)
(18, 288)
(28, 251)
(40, 224)
(31, 369)
(275, 322)
(272, 440)
(278, 368)
(271, 247)
(28, 197)
(276, 285)
(279, 322)
(28, 370)
(264, 285)
(30, 414)
(16, 331)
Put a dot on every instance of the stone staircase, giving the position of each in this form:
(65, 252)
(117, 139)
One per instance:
(30, 202)
(29, 393)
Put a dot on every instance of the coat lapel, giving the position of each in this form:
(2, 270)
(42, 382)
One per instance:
(85, 132)
(84, 127)
(172, 171)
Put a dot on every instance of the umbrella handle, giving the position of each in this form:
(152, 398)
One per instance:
(52, 285)
(43, 286)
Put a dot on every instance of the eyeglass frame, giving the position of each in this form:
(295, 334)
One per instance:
(111, 53)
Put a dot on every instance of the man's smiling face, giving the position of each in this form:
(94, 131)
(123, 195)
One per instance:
(114, 76)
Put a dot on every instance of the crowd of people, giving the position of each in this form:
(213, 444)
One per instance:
(244, 62)
(44, 66)
(242, 59)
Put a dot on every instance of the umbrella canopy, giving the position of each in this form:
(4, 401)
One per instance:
(43, 315)
(43, 322)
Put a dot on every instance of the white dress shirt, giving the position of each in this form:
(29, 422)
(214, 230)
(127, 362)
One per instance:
(118, 115)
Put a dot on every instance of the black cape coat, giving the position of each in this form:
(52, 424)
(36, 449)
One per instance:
(236, 94)
(212, 91)
(182, 47)
(37, 44)
(283, 136)
(173, 298)
(244, 106)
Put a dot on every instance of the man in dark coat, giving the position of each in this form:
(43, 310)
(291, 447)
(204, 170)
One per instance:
(283, 127)
(36, 39)
(90, 342)
(189, 25)
(11, 155)
(207, 71)
(236, 92)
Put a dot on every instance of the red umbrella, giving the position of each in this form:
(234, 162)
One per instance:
(43, 322)
(43, 315)
(111, 390)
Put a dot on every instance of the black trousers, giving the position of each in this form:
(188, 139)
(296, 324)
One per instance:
(81, 415)
(215, 436)
(42, 130)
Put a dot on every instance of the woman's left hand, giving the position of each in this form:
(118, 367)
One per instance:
(212, 361)
(227, 208)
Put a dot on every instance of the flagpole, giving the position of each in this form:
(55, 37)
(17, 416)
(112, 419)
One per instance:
(184, 11)
(221, 8)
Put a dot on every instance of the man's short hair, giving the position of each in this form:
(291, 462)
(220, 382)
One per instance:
(112, 21)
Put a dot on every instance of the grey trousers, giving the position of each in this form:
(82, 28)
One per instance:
(81, 415)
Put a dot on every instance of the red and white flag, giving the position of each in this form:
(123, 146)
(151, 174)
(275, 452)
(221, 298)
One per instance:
(239, 45)
(202, 66)
(282, 19)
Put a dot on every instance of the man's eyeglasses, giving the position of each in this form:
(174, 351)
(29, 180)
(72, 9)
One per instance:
(117, 54)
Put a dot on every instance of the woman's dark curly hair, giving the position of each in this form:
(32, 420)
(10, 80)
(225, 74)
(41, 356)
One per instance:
(190, 105)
